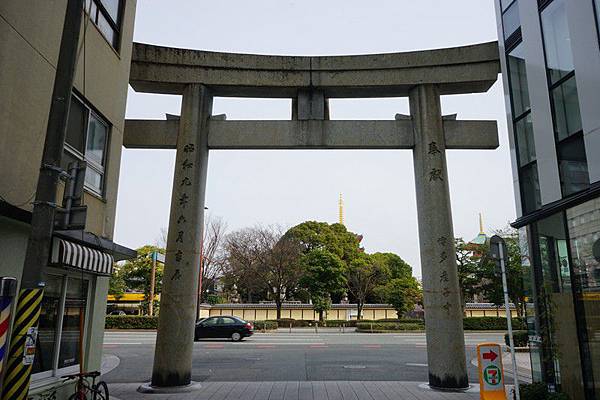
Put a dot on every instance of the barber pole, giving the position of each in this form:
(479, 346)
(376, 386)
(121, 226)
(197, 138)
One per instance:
(5, 303)
(7, 292)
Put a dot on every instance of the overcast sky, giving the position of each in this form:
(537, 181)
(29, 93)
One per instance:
(289, 187)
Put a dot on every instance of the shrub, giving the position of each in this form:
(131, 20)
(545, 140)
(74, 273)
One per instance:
(336, 323)
(403, 320)
(539, 391)
(130, 322)
(557, 396)
(296, 323)
(491, 323)
(265, 325)
(388, 326)
(521, 338)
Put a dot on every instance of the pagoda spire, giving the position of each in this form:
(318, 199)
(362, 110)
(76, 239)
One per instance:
(481, 232)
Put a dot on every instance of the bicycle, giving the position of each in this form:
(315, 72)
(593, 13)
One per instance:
(99, 391)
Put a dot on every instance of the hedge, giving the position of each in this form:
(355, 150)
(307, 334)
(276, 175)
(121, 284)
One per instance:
(388, 326)
(403, 320)
(130, 322)
(538, 391)
(265, 325)
(491, 323)
(296, 323)
(521, 338)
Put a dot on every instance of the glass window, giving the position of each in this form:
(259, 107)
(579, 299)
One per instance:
(518, 81)
(525, 143)
(210, 322)
(226, 321)
(572, 164)
(112, 6)
(557, 40)
(584, 238)
(567, 118)
(73, 322)
(91, 134)
(510, 20)
(530, 188)
(76, 124)
(106, 15)
(96, 140)
(597, 2)
(44, 352)
(561, 363)
(505, 3)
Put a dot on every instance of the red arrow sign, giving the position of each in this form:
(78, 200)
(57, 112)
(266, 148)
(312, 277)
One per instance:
(491, 355)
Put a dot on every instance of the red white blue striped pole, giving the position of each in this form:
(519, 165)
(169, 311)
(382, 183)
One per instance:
(7, 294)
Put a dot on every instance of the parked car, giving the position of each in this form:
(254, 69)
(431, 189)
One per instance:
(223, 327)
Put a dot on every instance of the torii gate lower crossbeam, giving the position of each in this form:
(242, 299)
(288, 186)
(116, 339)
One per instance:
(423, 76)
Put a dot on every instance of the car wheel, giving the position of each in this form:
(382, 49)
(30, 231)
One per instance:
(236, 337)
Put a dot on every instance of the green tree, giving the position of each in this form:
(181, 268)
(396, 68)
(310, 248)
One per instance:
(136, 273)
(116, 283)
(478, 273)
(468, 262)
(364, 275)
(492, 286)
(393, 265)
(402, 293)
(324, 274)
(267, 258)
(335, 238)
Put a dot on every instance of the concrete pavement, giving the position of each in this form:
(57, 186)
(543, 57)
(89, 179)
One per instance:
(363, 365)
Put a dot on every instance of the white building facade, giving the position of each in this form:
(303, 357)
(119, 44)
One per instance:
(550, 56)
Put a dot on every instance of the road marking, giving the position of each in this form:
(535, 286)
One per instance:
(415, 365)
(286, 344)
(372, 346)
(122, 343)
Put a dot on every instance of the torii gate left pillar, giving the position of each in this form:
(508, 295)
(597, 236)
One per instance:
(175, 340)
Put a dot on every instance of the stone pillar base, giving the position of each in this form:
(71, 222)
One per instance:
(148, 388)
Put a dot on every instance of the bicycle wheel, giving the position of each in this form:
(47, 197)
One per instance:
(78, 396)
(100, 391)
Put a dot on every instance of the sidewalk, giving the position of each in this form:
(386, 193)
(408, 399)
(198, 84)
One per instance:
(316, 390)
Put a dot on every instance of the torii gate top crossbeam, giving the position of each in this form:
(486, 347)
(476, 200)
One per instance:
(466, 69)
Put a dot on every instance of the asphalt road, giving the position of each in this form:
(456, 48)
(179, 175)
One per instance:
(297, 356)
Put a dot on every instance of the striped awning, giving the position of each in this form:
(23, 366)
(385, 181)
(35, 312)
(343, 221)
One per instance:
(69, 254)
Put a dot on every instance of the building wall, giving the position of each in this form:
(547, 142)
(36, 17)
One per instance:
(561, 281)
(30, 33)
(307, 313)
(586, 58)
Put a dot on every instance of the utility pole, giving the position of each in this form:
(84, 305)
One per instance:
(24, 333)
(152, 283)
(499, 253)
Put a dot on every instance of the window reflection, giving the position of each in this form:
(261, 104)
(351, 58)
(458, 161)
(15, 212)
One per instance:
(73, 319)
(44, 352)
(584, 233)
(561, 363)
(518, 80)
(557, 40)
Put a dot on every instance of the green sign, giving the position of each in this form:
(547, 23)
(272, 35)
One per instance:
(492, 375)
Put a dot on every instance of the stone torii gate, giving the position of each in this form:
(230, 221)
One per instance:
(310, 81)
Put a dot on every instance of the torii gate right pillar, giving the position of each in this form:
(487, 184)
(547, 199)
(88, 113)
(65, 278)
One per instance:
(441, 293)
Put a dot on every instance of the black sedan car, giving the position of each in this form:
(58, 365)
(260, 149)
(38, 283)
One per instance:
(223, 327)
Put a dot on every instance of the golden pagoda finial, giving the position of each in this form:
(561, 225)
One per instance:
(481, 224)
(341, 210)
